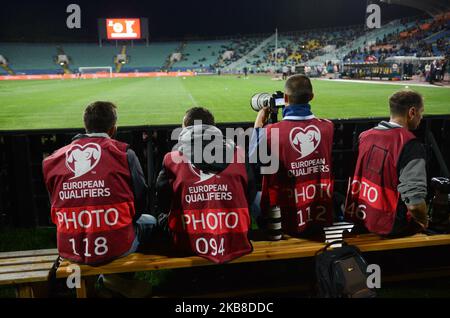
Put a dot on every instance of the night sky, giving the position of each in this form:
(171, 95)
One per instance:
(45, 21)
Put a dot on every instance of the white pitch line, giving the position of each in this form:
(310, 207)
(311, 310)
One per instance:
(381, 83)
(190, 95)
(192, 99)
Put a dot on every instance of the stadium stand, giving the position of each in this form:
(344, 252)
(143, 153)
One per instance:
(362, 41)
(416, 37)
(123, 52)
(301, 47)
(201, 54)
(419, 38)
(29, 270)
(90, 55)
(245, 49)
(149, 58)
(39, 58)
(30, 58)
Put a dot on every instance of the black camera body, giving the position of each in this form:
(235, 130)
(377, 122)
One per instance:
(274, 102)
(440, 207)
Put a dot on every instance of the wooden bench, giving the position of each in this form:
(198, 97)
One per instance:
(28, 269)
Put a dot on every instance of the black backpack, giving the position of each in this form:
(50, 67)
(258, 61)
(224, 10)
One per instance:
(342, 273)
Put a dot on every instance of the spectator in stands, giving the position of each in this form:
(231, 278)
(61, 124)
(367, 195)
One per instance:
(444, 68)
(439, 74)
(433, 71)
(324, 70)
(307, 70)
(389, 186)
(98, 192)
(335, 68)
(285, 71)
(204, 202)
(427, 72)
(302, 188)
(319, 70)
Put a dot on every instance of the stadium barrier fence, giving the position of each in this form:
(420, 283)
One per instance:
(24, 199)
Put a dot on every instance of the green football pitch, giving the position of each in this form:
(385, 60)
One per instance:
(157, 101)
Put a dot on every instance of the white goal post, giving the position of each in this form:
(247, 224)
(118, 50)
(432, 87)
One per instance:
(95, 70)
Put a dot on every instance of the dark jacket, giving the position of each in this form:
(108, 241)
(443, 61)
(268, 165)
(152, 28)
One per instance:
(187, 141)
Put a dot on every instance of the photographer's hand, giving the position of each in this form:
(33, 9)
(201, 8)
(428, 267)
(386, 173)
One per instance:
(262, 117)
(419, 213)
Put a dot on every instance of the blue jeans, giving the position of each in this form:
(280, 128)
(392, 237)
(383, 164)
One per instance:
(143, 228)
(255, 209)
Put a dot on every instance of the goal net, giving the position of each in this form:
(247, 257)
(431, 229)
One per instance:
(97, 71)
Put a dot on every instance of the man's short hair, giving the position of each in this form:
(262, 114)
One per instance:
(198, 113)
(100, 117)
(402, 101)
(299, 89)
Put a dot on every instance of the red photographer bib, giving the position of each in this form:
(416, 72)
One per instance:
(92, 203)
(372, 197)
(303, 186)
(209, 216)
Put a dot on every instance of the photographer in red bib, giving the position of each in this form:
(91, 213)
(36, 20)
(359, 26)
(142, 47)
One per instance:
(204, 190)
(300, 193)
(387, 192)
(97, 192)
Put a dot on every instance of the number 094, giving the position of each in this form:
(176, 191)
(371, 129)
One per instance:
(211, 246)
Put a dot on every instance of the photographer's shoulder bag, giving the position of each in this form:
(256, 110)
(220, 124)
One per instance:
(342, 273)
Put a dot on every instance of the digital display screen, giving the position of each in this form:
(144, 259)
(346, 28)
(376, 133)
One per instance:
(123, 29)
(279, 102)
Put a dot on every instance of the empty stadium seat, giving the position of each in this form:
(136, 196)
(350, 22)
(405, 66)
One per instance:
(201, 54)
(152, 57)
(30, 57)
(90, 54)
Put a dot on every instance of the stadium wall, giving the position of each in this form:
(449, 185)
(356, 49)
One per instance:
(98, 75)
(24, 199)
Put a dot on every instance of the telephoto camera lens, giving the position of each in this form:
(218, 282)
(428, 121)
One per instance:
(259, 101)
(274, 230)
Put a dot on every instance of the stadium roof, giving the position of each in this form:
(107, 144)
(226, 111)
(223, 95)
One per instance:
(432, 7)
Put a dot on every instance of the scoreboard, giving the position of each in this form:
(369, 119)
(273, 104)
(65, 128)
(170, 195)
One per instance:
(123, 29)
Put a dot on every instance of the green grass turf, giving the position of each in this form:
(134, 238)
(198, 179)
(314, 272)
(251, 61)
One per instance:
(149, 101)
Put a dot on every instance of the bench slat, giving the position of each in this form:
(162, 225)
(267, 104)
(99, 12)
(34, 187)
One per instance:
(25, 277)
(401, 243)
(52, 251)
(25, 268)
(259, 248)
(27, 260)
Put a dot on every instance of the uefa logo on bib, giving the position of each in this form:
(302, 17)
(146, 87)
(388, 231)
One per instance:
(204, 176)
(305, 140)
(82, 159)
